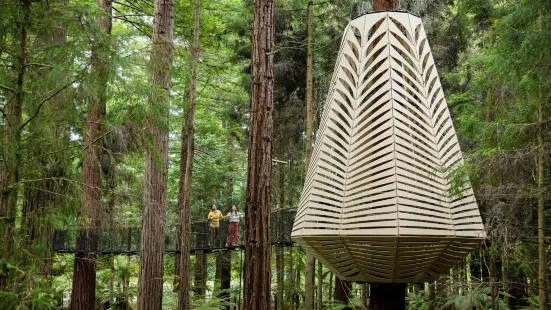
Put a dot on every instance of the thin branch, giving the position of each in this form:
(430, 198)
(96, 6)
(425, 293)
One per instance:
(4, 87)
(66, 148)
(47, 99)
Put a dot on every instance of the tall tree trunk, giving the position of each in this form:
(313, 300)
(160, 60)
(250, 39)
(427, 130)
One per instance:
(505, 278)
(310, 260)
(291, 186)
(431, 296)
(494, 280)
(186, 169)
(364, 296)
(84, 275)
(257, 215)
(225, 275)
(110, 171)
(381, 5)
(342, 290)
(150, 284)
(309, 281)
(298, 282)
(291, 280)
(330, 289)
(280, 262)
(200, 278)
(309, 83)
(9, 168)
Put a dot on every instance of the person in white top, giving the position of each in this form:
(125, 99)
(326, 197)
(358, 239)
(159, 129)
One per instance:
(233, 231)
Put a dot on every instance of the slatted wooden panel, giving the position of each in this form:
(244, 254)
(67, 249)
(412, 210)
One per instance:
(376, 204)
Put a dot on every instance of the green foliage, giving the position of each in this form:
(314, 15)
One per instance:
(38, 298)
(419, 301)
(210, 303)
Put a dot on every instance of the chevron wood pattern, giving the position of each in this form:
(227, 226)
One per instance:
(376, 204)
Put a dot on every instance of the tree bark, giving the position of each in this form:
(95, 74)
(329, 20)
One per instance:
(186, 169)
(280, 262)
(364, 296)
(342, 291)
(309, 281)
(310, 260)
(84, 275)
(200, 274)
(225, 275)
(432, 296)
(257, 214)
(381, 5)
(150, 283)
(309, 83)
(330, 290)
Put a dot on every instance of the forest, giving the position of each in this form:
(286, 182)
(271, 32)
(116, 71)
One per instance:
(130, 128)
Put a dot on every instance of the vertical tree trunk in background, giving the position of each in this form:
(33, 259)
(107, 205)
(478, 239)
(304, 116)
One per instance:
(320, 286)
(186, 169)
(257, 214)
(280, 267)
(280, 261)
(13, 109)
(309, 83)
(432, 296)
(494, 280)
(200, 274)
(310, 260)
(225, 276)
(505, 278)
(309, 281)
(291, 280)
(291, 186)
(84, 275)
(298, 282)
(110, 173)
(342, 290)
(381, 5)
(364, 296)
(150, 283)
(330, 289)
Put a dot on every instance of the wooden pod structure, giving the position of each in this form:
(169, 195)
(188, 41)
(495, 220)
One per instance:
(377, 204)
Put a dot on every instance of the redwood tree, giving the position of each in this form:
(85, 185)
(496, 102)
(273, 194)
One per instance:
(150, 284)
(310, 260)
(186, 166)
(257, 213)
(379, 5)
(84, 276)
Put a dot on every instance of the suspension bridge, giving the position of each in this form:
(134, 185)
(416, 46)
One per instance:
(126, 240)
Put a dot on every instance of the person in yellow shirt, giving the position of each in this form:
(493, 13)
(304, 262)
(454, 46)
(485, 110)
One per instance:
(214, 219)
